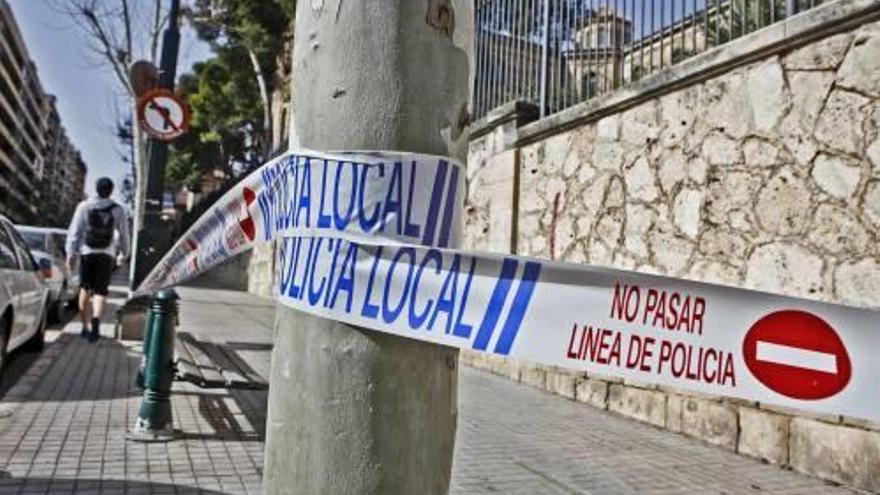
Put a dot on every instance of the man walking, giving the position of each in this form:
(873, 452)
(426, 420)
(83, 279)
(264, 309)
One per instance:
(90, 237)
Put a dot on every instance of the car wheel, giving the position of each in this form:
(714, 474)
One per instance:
(38, 341)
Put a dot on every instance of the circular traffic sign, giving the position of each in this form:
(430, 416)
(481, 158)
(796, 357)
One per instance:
(798, 355)
(163, 115)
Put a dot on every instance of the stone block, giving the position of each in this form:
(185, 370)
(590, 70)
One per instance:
(687, 210)
(836, 230)
(674, 407)
(858, 283)
(860, 69)
(825, 55)
(644, 405)
(561, 383)
(782, 204)
(785, 268)
(713, 272)
(872, 202)
(766, 93)
(131, 318)
(605, 378)
(721, 150)
(839, 126)
(836, 452)
(480, 360)
(836, 175)
(591, 391)
(466, 357)
(763, 435)
(640, 180)
(534, 375)
(801, 413)
(861, 423)
(497, 169)
(507, 367)
(710, 421)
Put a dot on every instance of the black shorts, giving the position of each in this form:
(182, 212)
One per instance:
(94, 272)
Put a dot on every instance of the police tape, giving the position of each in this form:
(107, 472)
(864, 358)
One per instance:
(369, 239)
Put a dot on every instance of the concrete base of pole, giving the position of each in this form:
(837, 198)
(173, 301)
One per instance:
(145, 434)
(356, 411)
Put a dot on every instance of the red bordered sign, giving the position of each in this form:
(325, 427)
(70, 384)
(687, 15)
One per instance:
(163, 115)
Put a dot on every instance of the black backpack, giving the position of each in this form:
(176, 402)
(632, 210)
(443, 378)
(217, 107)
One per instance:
(99, 227)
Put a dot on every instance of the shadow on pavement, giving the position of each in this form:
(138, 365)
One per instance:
(9, 484)
(57, 374)
(20, 360)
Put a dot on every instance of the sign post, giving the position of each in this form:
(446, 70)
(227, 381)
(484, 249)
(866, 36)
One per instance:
(149, 242)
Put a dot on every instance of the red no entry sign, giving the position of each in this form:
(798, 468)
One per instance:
(163, 115)
(798, 355)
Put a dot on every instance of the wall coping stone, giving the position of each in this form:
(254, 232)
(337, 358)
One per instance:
(518, 111)
(822, 21)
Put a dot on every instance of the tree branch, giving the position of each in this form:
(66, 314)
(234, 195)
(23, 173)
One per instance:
(107, 46)
(126, 19)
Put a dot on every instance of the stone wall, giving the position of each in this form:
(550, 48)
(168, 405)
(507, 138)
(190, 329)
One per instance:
(261, 270)
(766, 176)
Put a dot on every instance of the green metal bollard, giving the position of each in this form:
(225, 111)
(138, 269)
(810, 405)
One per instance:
(148, 325)
(154, 422)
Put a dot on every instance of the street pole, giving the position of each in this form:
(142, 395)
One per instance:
(353, 410)
(150, 243)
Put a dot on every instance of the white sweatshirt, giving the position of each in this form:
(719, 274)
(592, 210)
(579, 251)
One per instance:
(77, 230)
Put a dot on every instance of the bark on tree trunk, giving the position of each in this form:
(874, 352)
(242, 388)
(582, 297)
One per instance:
(266, 142)
(353, 410)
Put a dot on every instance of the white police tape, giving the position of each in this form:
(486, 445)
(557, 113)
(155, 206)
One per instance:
(368, 238)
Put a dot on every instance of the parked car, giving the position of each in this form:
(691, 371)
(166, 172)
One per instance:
(47, 247)
(24, 295)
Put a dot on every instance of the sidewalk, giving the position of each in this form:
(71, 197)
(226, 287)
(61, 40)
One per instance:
(63, 424)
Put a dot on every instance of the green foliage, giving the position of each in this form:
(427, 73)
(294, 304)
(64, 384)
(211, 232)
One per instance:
(257, 25)
(228, 130)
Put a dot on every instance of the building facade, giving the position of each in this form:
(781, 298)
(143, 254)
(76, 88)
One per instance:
(41, 173)
(64, 173)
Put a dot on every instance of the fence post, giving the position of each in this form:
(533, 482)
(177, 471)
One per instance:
(791, 8)
(545, 58)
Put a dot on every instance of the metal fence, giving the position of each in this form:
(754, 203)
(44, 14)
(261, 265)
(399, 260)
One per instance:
(556, 53)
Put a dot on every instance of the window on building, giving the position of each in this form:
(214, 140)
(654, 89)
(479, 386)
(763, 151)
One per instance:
(602, 39)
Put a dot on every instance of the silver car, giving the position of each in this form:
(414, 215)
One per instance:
(47, 247)
(24, 295)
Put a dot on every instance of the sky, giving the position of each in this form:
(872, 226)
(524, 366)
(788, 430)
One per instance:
(87, 93)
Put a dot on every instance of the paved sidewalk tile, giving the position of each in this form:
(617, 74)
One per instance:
(65, 425)
(515, 439)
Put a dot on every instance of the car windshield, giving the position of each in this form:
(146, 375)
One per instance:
(34, 240)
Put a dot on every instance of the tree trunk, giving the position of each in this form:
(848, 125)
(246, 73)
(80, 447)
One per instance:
(140, 186)
(266, 142)
(354, 410)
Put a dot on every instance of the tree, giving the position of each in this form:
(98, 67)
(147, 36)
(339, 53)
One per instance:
(256, 27)
(226, 119)
(118, 32)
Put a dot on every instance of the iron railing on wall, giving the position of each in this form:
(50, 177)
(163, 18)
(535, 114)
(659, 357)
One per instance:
(556, 53)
